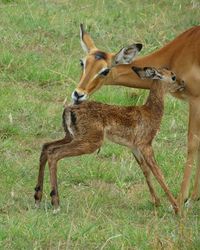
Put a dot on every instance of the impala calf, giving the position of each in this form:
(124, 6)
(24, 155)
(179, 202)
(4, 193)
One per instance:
(182, 56)
(87, 124)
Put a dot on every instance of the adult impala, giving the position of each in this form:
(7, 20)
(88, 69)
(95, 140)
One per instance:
(182, 56)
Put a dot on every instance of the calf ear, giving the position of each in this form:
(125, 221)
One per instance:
(139, 71)
(147, 72)
(127, 54)
(152, 73)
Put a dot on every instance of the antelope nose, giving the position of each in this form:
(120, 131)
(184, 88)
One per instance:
(78, 97)
(76, 94)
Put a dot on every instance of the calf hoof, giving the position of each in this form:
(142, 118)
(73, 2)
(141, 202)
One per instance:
(174, 207)
(181, 201)
(195, 197)
(54, 199)
(37, 196)
(156, 202)
(176, 210)
(37, 204)
(188, 203)
(56, 210)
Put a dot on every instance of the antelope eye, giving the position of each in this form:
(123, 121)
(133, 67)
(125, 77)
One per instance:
(81, 63)
(105, 72)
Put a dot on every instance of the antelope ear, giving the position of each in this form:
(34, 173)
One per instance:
(127, 54)
(86, 41)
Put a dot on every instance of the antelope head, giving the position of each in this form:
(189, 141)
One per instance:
(97, 65)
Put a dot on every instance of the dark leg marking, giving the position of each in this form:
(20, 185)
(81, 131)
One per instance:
(37, 189)
(53, 192)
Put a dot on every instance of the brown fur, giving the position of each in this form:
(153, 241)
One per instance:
(87, 124)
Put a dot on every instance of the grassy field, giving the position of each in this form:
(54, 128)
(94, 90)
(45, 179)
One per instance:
(105, 203)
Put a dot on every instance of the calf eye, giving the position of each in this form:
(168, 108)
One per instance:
(173, 78)
(105, 72)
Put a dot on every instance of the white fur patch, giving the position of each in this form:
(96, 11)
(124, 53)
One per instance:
(84, 65)
(84, 47)
(68, 123)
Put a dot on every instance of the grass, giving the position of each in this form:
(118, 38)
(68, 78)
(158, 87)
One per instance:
(105, 203)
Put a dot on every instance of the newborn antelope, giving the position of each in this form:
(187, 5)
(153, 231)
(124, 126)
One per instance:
(87, 124)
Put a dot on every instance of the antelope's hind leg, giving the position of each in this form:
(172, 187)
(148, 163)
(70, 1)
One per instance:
(196, 191)
(192, 154)
(43, 160)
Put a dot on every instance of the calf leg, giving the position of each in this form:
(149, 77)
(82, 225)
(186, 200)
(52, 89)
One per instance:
(74, 148)
(43, 160)
(150, 160)
(147, 173)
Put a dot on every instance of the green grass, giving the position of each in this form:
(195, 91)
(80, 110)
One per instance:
(105, 203)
